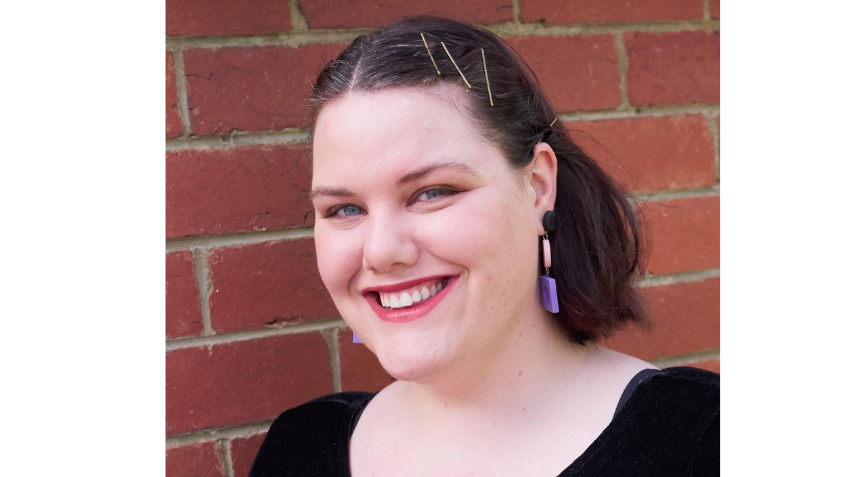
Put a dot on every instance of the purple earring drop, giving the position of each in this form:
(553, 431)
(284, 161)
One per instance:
(550, 300)
(356, 339)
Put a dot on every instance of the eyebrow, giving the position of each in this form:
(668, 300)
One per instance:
(410, 177)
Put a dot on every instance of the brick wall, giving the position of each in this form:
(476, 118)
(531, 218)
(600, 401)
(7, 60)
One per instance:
(250, 329)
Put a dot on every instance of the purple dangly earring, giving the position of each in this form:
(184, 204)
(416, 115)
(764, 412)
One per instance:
(356, 339)
(550, 300)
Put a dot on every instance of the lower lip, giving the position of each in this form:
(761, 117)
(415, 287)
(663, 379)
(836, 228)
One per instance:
(405, 315)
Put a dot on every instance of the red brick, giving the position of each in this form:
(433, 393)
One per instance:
(575, 72)
(237, 190)
(266, 284)
(375, 13)
(718, 133)
(226, 17)
(244, 381)
(173, 126)
(684, 234)
(606, 11)
(713, 365)
(651, 153)
(201, 460)
(243, 451)
(253, 89)
(685, 319)
(360, 368)
(673, 68)
(714, 8)
(182, 305)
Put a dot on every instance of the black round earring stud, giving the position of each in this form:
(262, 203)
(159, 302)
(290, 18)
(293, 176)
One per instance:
(549, 221)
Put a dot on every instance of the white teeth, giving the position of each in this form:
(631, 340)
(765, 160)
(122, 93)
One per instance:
(407, 298)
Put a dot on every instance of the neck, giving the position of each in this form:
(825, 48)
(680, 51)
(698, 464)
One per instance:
(531, 369)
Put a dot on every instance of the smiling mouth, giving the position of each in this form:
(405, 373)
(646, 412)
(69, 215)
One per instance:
(412, 296)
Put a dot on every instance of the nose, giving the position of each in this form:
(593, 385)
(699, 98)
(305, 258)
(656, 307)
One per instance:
(388, 243)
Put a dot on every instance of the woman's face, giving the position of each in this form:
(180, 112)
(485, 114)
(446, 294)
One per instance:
(409, 197)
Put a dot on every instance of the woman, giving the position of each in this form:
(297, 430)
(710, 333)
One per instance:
(439, 172)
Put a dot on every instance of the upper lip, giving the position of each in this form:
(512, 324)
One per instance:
(402, 285)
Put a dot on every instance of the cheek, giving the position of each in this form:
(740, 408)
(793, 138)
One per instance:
(491, 237)
(339, 258)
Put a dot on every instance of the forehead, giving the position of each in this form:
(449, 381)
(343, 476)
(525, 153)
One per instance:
(392, 130)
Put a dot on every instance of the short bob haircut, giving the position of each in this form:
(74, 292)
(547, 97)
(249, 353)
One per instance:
(597, 245)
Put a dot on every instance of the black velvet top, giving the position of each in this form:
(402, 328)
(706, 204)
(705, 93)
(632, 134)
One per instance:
(666, 424)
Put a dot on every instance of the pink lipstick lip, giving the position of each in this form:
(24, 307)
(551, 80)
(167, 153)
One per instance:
(403, 285)
(405, 315)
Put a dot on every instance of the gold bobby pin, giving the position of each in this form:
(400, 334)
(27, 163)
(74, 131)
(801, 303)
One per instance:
(489, 88)
(467, 85)
(549, 125)
(431, 55)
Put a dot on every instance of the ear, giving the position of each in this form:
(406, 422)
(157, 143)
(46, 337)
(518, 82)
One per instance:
(543, 180)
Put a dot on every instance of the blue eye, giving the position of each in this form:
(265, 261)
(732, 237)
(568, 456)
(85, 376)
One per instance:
(348, 211)
(432, 194)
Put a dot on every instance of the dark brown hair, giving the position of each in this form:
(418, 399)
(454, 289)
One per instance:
(597, 246)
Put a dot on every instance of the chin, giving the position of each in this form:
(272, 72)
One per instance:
(411, 363)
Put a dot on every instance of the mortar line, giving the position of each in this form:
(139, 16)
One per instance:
(285, 136)
(332, 337)
(707, 11)
(204, 287)
(510, 28)
(689, 358)
(516, 12)
(182, 93)
(657, 196)
(248, 335)
(623, 65)
(640, 112)
(216, 433)
(682, 277)
(208, 242)
(298, 20)
(712, 122)
(226, 451)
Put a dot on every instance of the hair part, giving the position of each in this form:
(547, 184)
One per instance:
(598, 246)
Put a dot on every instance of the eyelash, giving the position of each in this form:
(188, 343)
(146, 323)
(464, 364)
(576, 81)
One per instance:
(446, 191)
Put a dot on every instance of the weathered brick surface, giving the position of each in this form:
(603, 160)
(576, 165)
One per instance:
(360, 368)
(201, 460)
(226, 17)
(243, 451)
(684, 233)
(713, 365)
(266, 284)
(609, 11)
(714, 8)
(244, 381)
(672, 68)
(651, 153)
(252, 89)
(182, 306)
(237, 190)
(576, 72)
(685, 319)
(173, 127)
(375, 13)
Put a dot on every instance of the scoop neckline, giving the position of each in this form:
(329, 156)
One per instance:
(617, 421)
